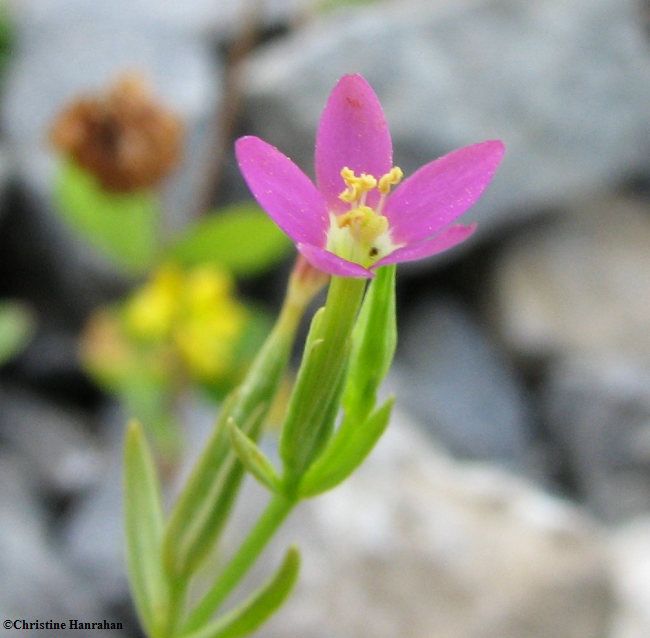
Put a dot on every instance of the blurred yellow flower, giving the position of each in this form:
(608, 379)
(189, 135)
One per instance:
(195, 312)
(149, 313)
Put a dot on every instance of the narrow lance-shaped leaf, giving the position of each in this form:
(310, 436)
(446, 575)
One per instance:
(186, 546)
(210, 482)
(143, 525)
(254, 611)
(374, 341)
(347, 449)
(254, 460)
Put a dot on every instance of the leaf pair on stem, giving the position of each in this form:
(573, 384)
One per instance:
(347, 354)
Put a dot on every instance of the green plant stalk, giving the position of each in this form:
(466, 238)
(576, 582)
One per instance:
(257, 389)
(275, 513)
(307, 426)
(173, 613)
(258, 386)
(317, 385)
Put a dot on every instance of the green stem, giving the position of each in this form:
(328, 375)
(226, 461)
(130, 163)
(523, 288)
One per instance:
(258, 387)
(275, 513)
(175, 608)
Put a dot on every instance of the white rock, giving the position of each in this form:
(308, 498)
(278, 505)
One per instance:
(578, 284)
(631, 567)
(564, 85)
(416, 545)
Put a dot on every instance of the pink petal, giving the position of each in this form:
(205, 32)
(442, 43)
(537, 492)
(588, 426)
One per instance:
(439, 192)
(442, 241)
(332, 264)
(353, 132)
(283, 191)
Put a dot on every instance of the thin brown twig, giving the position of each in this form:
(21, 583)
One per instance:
(226, 118)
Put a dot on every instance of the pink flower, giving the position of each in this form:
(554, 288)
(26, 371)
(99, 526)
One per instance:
(349, 222)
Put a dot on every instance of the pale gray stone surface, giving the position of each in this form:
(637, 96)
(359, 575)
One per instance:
(54, 442)
(571, 293)
(451, 375)
(577, 284)
(630, 549)
(35, 582)
(417, 545)
(564, 85)
(598, 410)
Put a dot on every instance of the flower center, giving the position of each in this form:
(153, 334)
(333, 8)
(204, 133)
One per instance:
(362, 234)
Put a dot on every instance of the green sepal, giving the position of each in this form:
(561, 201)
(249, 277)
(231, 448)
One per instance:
(346, 450)
(254, 611)
(253, 459)
(123, 226)
(309, 422)
(373, 345)
(303, 437)
(143, 520)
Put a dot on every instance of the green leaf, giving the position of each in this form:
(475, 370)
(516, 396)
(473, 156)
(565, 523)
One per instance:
(373, 345)
(16, 329)
(347, 449)
(208, 497)
(202, 508)
(143, 520)
(254, 460)
(6, 36)
(122, 226)
(241, 238)
(254, 611)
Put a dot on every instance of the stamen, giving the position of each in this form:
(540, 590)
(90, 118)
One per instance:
(392, 178)
(356, 186)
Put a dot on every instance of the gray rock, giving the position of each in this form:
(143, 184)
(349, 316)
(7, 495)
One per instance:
(598, 409)
(52, 441)
(454, 379)
(630, 548)
(215, 17)
(571, 294)
(417, 545)
(4, 177)
(566, 87)
(35, 583)
(93, 534)
(576, 285)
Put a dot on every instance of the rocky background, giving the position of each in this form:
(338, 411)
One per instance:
(511, 497)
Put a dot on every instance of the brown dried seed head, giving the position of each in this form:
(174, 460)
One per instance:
(123, 137)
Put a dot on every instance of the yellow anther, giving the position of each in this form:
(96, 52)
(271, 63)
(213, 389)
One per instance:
(393, 177)
(356, 185)
(348, 175)
(367, 182)
(351, 194)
